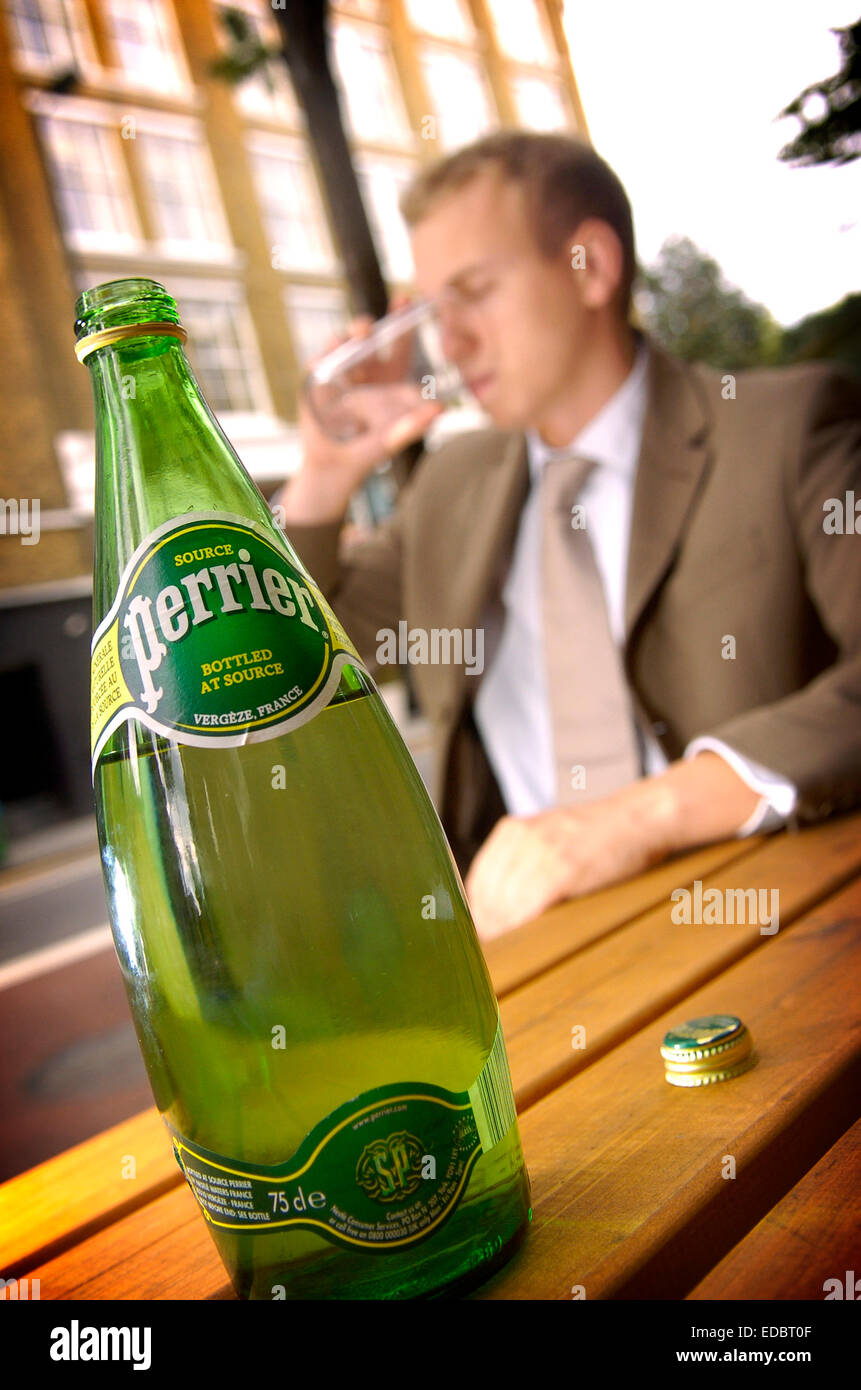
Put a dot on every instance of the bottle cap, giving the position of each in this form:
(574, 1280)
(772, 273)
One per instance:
(128, 308)
(715, 1048)
(105, 336)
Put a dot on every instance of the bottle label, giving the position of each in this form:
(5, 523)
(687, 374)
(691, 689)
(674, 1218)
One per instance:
(383, 1171)
(215, 638)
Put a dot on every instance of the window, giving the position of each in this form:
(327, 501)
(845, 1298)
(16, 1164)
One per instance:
(269, 91)
(459, 94)
(372, 96)
(184, 201)
(365, 9)
(222, 347)
(90, 185)
(49, 35)
(146, 44)
(448, 19)
(540, 103)
(316, 315)
(521, 31)
(382, 181)
(291, 205)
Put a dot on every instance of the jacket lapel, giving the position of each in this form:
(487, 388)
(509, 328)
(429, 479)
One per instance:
(496, 499)
(672, 463)
(485, 512)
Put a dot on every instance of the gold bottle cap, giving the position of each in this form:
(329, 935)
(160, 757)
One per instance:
(104, 336)
(704, 1050)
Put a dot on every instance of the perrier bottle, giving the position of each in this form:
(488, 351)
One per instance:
(308, 990)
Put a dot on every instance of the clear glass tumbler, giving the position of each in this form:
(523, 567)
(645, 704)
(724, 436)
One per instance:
(371, 382)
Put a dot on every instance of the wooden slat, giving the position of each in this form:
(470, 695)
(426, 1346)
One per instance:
(162, 1251)
(629, 1194)
(61, 1201)
(615, 986)
(627, 1179)
(65, 1198)
(520, 955)
(68, 1198)
(812, 1235)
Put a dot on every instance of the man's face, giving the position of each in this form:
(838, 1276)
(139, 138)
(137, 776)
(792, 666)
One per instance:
(512, 320)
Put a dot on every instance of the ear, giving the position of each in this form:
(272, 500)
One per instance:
(597, 260)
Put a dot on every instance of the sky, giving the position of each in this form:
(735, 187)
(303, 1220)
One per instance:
(681, 99)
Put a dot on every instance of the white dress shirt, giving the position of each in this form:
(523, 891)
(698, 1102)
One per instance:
(512, 707)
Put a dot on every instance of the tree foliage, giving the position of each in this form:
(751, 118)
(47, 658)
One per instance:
(246, 54)
(833, 334)
(833, 136)
(685, 302)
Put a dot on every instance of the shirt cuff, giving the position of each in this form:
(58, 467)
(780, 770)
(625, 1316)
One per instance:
(778, 798)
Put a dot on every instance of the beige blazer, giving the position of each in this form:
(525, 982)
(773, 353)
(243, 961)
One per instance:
(734, 534)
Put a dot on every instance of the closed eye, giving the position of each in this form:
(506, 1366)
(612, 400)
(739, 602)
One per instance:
(475, 291)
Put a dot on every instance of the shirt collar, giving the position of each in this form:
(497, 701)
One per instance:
(612, 437)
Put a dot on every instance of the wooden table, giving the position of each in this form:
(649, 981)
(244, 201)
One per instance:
(744, 1189)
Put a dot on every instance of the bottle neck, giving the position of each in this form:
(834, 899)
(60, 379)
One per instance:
(160, 453)
(135, 370)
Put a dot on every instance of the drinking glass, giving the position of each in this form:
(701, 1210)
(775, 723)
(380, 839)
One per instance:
(372, 382)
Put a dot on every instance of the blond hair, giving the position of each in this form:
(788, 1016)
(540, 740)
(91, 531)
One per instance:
(563, 180)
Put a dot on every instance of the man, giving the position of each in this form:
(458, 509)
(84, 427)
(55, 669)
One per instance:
(709, 635)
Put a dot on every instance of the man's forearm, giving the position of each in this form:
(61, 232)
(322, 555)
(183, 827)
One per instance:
(528, 863)
(694, 802)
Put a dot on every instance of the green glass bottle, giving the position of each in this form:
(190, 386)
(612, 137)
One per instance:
(316, 1017)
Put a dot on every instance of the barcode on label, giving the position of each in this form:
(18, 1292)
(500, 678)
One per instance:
(491, 1098)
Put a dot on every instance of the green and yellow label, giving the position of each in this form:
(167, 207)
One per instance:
(383, 1171)
(216, 637)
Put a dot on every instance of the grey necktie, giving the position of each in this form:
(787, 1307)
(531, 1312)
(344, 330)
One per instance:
(594, 738)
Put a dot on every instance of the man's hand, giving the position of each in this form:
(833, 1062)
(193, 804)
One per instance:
(393, 414)
(528, 863)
